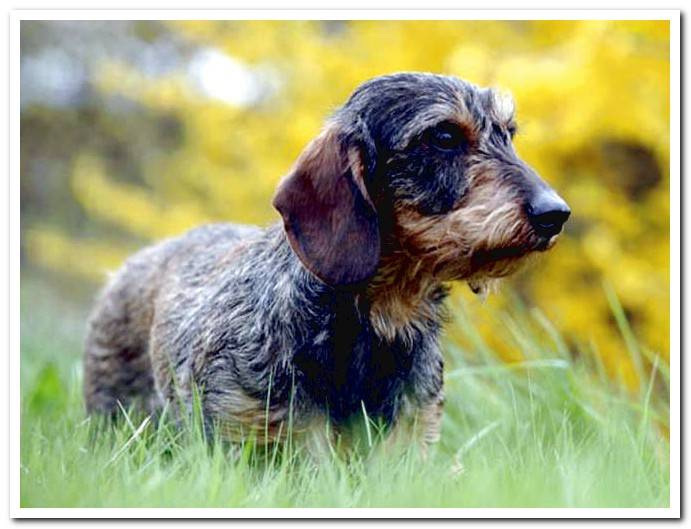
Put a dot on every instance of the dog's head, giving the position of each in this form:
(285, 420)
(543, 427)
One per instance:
(421, 166)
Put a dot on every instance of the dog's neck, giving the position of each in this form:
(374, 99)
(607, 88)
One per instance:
(404, 297)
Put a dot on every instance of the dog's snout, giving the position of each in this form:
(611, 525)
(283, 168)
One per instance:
(547, 213)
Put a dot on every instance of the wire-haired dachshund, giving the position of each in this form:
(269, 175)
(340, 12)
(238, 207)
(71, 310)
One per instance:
(336, 310)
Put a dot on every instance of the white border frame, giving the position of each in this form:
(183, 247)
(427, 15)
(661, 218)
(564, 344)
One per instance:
(674, 511)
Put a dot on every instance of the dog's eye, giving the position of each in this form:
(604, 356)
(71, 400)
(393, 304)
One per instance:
(446, 137)
(513, 129)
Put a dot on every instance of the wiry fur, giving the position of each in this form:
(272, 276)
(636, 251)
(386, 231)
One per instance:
(340, 308)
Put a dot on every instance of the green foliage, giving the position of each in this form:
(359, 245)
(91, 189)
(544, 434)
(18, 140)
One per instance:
(49, 395)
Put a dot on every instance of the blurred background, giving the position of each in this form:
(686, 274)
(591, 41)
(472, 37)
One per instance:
(136, 130)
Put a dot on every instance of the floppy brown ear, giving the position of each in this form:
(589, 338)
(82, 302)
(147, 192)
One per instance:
(327, 213)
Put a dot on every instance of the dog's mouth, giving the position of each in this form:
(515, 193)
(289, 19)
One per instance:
(490, 265)
(532, 243)
(486, 265)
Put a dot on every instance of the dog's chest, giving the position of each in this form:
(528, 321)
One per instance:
(347, 366)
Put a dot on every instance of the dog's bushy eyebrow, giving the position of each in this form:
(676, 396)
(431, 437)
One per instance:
(503, 107)
(432, 116)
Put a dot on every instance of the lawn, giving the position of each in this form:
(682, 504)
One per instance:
(550, 431)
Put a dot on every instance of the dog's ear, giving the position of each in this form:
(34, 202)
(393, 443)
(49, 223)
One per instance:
(327, 213)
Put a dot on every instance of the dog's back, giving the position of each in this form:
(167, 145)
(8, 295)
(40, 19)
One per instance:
(117, 364)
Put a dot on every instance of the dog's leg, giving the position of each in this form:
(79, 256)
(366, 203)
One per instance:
(430, 418)
(319, 439)
(117, 370)
(421, 426)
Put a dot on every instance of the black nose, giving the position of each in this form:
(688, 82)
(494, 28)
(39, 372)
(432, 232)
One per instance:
(548, 213)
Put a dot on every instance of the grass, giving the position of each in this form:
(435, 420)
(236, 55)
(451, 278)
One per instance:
(551, 431)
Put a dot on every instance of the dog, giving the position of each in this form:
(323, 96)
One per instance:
(337, 310)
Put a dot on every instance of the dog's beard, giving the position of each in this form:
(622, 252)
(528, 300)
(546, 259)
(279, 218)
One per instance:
(486, 278)
(483, 286)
